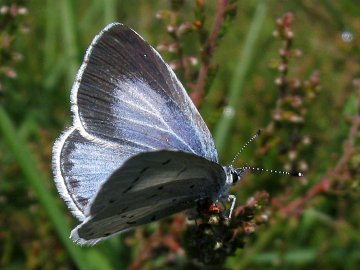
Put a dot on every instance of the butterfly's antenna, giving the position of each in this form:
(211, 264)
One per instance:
(246, 144)
(242, 170)
(248, 168)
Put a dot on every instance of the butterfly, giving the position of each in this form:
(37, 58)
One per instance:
(138, 149)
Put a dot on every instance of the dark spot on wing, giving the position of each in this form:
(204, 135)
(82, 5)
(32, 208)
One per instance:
(166, 162)
(174, 200)
(179, 173)
(111, 201)
(107, 234)
(131, 222)
(91, 234)
(152, 196)
(160, 188)
(153, 218)
(144, 170)
(126, 190)
(74, 183)
(136, 179)
(123, 216)
(82, 200)
(124, 209)
(131, 216)
(192, 186)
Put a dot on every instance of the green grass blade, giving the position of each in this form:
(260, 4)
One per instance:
(37, 181)
(224, 125)
(294, 257)
(110, 11)
(70, 40)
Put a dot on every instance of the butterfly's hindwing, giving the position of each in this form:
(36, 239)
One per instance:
(149, 186)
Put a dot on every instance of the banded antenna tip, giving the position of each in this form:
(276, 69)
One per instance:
(297, 174)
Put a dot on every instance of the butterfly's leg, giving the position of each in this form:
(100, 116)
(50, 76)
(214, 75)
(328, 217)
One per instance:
(232, 198)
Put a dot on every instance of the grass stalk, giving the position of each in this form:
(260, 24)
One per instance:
(36, 180)
(238, 79)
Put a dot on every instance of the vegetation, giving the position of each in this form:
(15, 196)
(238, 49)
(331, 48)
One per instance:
(289, 68)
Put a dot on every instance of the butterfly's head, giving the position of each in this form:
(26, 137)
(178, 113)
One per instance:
(233, 175)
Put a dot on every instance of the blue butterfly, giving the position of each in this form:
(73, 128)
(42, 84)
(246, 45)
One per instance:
(138, 149)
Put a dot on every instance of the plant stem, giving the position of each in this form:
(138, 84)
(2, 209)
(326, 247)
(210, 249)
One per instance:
(198, 95)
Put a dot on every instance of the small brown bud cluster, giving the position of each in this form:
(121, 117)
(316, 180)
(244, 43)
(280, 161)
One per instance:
(214, 236)
(10, 16)
(295, 97)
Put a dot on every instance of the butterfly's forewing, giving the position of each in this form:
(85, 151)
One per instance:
(125, 100)
(128, 95)
(149, 186)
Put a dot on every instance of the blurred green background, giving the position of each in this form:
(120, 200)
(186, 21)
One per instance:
(310, 223)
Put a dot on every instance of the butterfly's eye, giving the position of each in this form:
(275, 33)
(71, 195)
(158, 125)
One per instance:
(235, 176)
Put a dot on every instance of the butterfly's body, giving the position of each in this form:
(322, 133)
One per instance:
(138, 149)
